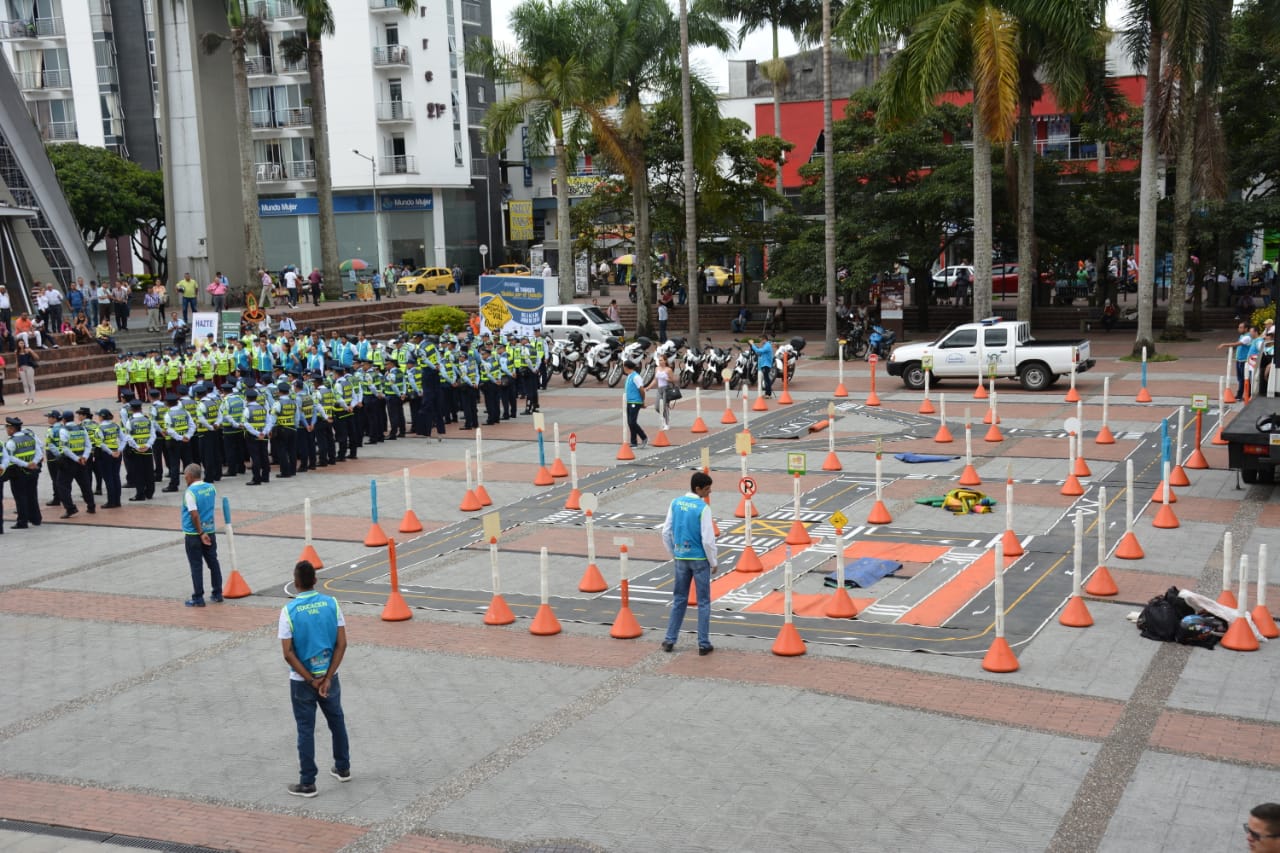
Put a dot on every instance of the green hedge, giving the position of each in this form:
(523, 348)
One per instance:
(431, 321)
(1263, 317)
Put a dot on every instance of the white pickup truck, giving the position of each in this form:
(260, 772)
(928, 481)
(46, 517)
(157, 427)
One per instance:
(976, 349)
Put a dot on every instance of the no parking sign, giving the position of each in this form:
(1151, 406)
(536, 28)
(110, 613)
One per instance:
(747, 486)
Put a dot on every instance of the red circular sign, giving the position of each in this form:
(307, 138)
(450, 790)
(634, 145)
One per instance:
(873, 358)
(573, 441)
(747, 486)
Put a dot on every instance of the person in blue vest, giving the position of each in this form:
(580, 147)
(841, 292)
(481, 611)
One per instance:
(313, 636)
(634, 389)
(199, 506)
(764, 362)
(690, 538)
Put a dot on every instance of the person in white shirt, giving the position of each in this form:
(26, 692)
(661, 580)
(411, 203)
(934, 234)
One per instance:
(287, 324)
(291, 285)
(265, 295)
(6, 307)
(53, 302)
(546, 269)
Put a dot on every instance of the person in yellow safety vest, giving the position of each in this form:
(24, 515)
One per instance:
(231, 421)
(122, 375)
(24, 454)
(156, 371)
(110, 455)
(258, 422)
(85, 419)
(140, 438)
(179, 429)
(77, 452)
(138, 375)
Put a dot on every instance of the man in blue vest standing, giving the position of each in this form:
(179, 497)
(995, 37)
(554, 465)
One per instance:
(199, 505)
(690, 538)
(313, 636)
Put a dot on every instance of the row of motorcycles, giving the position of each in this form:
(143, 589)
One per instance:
(575, 358)
(862, 338)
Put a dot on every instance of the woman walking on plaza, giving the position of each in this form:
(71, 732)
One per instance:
(664, 381)
(27, 363)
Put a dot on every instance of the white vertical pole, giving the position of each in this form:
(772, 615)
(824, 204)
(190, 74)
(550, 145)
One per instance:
(998, 587)
(306, 520)
(555, 431)
(942, 409)
(1106, 400)
(1102, 525)
(697, 401)
(1128, 496)
(1242, 599)
(1261, 595)
(408, 493)
(1227, 562)
(1177, 445)
(493, 565)
(544, 575)
(591, 538)
(479, 458)
(467, 465)
(1079, 554)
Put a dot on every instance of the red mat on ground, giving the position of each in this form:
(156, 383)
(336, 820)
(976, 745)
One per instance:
(811, 604)
(951, 596)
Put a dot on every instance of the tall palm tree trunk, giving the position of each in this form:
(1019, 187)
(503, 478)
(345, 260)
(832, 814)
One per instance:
(1027, 277)
(563, 240)
(1148, 196)
(1175, 324)
(829, 186)
(324, 174)
(776, 75)
(644, 249)
(254, 254)
(981, 214)
(690, 202)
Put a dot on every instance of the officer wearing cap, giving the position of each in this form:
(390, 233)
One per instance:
(488, 383)
(308, 416)
(209, 432)
(77, 452)
(84, 417)
(506, 381)
(58, 472)
(533, 374)
(394, 392)
(285, 442)
(326, 411)
(110, 453)
(23, 452)
(140, 439)
(155, 410)
(258, 422)
(231, 424)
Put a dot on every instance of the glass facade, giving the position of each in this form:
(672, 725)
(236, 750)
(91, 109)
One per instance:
(408, 235)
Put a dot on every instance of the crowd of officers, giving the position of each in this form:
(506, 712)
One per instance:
(299, 403)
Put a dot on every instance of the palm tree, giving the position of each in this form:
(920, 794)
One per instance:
(831, 350)
(690, 202)
(556, 94)
(243, 29)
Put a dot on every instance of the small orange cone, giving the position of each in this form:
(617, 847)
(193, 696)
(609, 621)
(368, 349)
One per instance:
(1217, 437)
(1227, 598)
(1105, 436)
(470, 503)
(1239, 637)
(498, 613)
(376, 538)
(309, 554)
(1196, 461)
(749, 563)
(1081, 468)
(986, 419)
(926, 408)
(235, 587)
(840, 605)
(557, 468)
(798, 534)
(879, 515)
(625, 624)
(625, 453)
(728, 417)
(1012, 547)
(760, 405)
(1165, 519)
(981, 392)
(1261, 618)
(543, 477)
(699, 425)
(395, 610)
(1076, 614)
(1128, 548)
(661, 440)
(1073, 396)
(840, 391)
(592, 580)
(969, 476)
(832, 462)
(1144, 396)
(1158, 495)
(1228, 396)
(410, 523)
(741, 511)
(545, 622)
(993, 434)
(873, 399)
(784, 399)
(1072, 488)
(572, 502)
(1000, 658)
(1178, 477)
(943, 436)
(1101, 583)
(789, 643)
(482, 495)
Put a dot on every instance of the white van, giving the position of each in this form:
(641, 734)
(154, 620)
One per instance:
(594, 324)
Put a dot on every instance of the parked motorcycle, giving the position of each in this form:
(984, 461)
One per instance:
(600, 359)
(636, 352)
(791, 352)
(744, 369)
(714, 360)
(854, 334)
(880, 341)
(571, 351)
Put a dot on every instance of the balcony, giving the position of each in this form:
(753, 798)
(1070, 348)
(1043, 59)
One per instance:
(399, 164)
(107, 76)
(395, 111)
(100, 21)
(389, 55)
(256, 66)
(1073, 148)
(36, 28)
(298, 67)
(59, 131)
(475, 116)
(271, 10)
(288, 117)
(472, 14)
(293, 170)
(38, 81)
(384, 6)
(480, 166)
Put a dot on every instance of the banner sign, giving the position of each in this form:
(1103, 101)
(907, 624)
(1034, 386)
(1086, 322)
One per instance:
(511, 304)
(204, 325)
(310, 206)
(521, 215)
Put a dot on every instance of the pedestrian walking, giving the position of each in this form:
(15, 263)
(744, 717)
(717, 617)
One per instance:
(199, 506)
(634, 389)
(689, 536)
(313, 636)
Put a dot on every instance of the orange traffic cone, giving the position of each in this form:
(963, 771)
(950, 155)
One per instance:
(1128, 548)
(545, 622)
(376, 538)
(1144, 396)
(873, 399)
(410, 523)
(943, 435)
(749, 563)
(557, 468)
(1000, 657)
(661, 440)
(1217, 437)
(1012, 546)
(798, 535)
(1073, 396)
(840, 605)
(1081, 468)
(1105, 436)
(1076, 613)
(592, 580)
(470, 503)
(840, 391)
(1072, 487)
(572, 502)
(1227, 598)
(784, 399)
(1196, 461)
(699, 425)
(625, 625)
(1165, 519)
(1178, 477)
(789, 642)
(309, 554)
(482, 495)
(1158, 495)
(981, 392)
(395, 610)
(926, 408)
(498, 613)
(728, 416)
(832, 462)
(1228, 396)
(1239, 637)
(993, 433)
(235, 587)
(1261, 618)
(625, 453)
(741, 511)
(879, 514)
(1101, 583)
(760, 405)
(969, 476)
(543, 477)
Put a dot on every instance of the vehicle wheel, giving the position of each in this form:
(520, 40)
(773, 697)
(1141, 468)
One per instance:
(859, 346)
(646, 375)
(707, 379)
(614, 375)
(1035, 376)
(735, 382)
(1249, 475)
(422, 288)
(791, 370)
(913, 376)
(1053, 380)
(579, 374)
(685, 379)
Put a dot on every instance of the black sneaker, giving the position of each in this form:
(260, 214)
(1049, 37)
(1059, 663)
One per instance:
(300, 790)
(668, 647)
(340, 775)
(194, 602)
(216, 599)
(706, 650)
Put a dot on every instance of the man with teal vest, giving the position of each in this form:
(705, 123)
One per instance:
(690, 537)
(313, 636)
(199, 508)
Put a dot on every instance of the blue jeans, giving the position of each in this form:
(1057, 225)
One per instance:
(305, 699)
(188, 308)
(698, 571)
(633, 424)
(198, 554)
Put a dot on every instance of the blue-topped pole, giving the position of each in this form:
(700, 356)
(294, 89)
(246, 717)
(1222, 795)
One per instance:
(373, 500)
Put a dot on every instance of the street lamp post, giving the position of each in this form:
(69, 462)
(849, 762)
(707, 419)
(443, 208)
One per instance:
(377, 207)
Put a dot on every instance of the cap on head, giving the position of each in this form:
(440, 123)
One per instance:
(53, 415)
(16, 423)
(105, 414)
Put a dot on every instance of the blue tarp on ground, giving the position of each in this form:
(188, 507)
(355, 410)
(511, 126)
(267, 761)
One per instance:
(923, 457)
(864, 571)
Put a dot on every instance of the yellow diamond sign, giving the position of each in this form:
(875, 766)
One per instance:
(838, 519)
(496, 314)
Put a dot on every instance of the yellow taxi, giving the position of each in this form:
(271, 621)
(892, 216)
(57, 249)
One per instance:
(724, 277)
(513, 269)
(427, 278)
